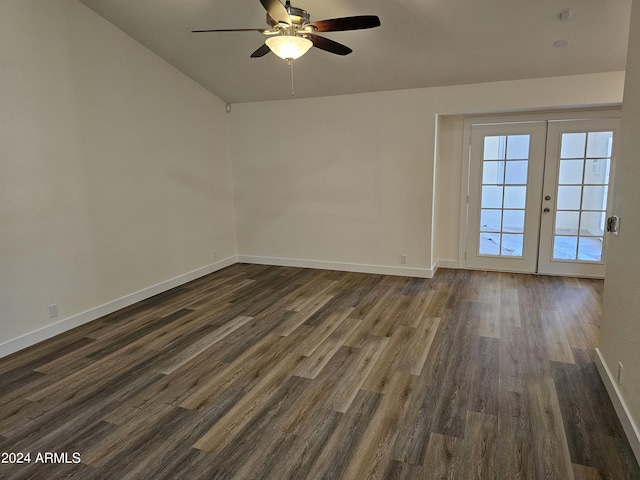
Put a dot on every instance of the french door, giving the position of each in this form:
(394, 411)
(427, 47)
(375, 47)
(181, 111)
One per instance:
(538, 194)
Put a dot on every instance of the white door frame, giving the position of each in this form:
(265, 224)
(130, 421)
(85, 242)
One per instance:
(574, 114)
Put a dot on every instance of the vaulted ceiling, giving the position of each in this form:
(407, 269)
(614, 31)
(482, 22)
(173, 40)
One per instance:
(421, 43)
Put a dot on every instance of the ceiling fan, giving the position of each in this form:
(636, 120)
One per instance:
(292, 34)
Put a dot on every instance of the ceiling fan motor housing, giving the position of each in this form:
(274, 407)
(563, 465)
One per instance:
(298, 16)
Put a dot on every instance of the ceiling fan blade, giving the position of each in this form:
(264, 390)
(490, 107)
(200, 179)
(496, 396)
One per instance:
(347, 23)
(329, 45)
(261, 52)
(261, 30)
(277, 11)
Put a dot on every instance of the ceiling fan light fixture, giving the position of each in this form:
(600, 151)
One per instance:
(289, 47)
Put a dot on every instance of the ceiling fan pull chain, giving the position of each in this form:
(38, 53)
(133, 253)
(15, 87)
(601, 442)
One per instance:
(290, 60)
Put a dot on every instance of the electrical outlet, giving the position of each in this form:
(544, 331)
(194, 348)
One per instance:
(53, 311)
(620, 369)
(403, 259)
(215, 254)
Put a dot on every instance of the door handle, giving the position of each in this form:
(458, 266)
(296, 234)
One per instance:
(613, 223)
(546, 210)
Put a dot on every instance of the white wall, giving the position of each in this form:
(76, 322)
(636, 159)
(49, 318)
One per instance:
(447, 189)
(337, 179)
(348, 180)
(620, 329)
(114, 168)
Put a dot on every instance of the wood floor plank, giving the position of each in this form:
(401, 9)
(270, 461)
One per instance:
(291, 456)
(489, 319)
(308, 292)
(323, 330)
(390, 317)
(312, 365)
(374, 451)
(443, 459)
(201, 345)
(72, 419)
(549, 441)
(340, 448)
(253, 359)
(439, 301)
(388, 362)
(516, 457)
(15, 413)
(454, 399)
(479, 448)
(351, 380)
(124, 436)
(484, 379)
(510, 308)
(248, 460)
(123, 336)
(170, 389)
(417, 350)
(412, 315)
(440, 402)
(44, 352)
(580, 472)
(242, 412)
(236, 344)
(620, 460)
(558, 348)
(175, 331)
(301, 316)
(370, 299)
(219, 295)
(335, 388)
(99, 371)
(166, 441)
(261, 371)
(9, 398)
(513, 359)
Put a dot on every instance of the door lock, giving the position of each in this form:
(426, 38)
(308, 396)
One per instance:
(547, 197)
(546, 210)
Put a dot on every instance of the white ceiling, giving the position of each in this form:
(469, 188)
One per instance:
(421, 43)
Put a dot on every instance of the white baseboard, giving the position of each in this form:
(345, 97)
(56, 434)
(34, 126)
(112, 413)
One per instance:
(448, 264)
(74, 321)
(343, 267)
(629, 425)
(443, 264)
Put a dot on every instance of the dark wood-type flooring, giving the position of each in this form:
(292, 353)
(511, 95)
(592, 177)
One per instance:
(272, 372)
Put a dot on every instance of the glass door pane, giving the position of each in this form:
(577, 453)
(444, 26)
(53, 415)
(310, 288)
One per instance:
(583, 179)
(505, 166)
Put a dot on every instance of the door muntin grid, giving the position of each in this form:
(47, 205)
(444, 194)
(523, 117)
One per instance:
(582, 192)
(505, 165)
